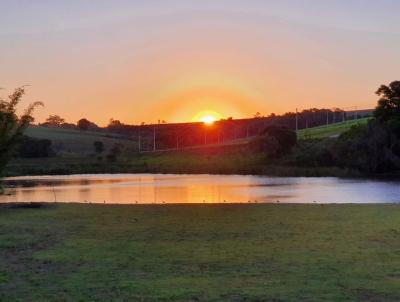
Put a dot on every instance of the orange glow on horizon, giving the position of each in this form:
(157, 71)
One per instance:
(201, 93)
(144, 61)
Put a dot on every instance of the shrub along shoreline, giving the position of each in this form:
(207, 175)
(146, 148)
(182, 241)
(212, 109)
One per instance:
(180, 164)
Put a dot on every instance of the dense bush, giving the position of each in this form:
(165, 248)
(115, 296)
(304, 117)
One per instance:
(373, 148)
(275, 141)
(12, 126)
(313, 153)
(33, 148)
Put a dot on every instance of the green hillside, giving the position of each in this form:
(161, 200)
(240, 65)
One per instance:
(71, 141)
(75, 151)
(332, 130)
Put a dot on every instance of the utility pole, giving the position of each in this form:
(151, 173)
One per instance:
(297, 121)
(327, 117)
(139, 141)
(154, 138)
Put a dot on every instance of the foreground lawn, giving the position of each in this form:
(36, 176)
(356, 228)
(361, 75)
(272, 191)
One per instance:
(200, 253)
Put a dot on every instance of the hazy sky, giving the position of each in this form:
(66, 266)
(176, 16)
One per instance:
(168, 59)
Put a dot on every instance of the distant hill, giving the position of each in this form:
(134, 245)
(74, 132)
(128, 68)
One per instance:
(75, 142)
(70, 141)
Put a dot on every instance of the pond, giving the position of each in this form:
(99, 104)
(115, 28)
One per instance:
(169, 188)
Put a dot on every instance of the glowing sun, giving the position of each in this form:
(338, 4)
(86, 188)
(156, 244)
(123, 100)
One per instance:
(207, 117)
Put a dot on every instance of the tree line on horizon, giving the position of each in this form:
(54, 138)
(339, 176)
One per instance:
(180, 135)
(307, 118)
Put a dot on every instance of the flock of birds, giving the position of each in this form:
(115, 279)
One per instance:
(204, 201)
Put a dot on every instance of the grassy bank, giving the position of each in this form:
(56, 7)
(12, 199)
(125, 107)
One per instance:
(173, 162)
(165, 162)
(200, 253)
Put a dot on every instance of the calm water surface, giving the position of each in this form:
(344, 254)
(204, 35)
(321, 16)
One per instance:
(155, 188)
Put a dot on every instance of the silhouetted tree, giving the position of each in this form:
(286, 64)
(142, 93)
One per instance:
(33, 147)
(285, 137)
(54, 121)
(275, 141)
(83, 124)
(12, 127)
(389, 104)
(115, 123)
(265, 144)
(115, 151)
(98, 148)
(115, 126)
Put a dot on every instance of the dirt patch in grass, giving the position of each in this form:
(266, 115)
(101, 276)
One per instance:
(29, 205)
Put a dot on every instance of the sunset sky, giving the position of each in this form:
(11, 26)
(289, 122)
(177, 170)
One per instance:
(141, 61)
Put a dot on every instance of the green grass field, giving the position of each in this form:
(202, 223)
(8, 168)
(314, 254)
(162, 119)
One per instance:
(74, 252)
(70, 141)
(332, 130)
